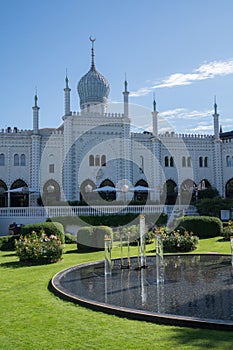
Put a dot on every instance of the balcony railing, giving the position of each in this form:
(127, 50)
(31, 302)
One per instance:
(49, 212)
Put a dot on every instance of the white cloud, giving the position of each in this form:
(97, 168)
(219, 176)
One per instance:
(197, 122)
(183, 113)
(205, 71)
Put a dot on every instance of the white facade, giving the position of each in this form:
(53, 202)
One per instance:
(94, 148)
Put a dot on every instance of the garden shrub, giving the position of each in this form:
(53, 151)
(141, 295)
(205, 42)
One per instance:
(70, 238)
(7, 243)
(39, 248)
(50, 228)
(176, 242)
(91, 238)
(202, 226)
(134, 231)
(213, 206)
(113, 220)
(99, 234)
(228, 230)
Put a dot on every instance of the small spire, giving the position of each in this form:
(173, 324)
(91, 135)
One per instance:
(67, 80)
(215, 106)
(154, 103)
(92, 52)
(220, 130)
(36, 97)
(126, 83)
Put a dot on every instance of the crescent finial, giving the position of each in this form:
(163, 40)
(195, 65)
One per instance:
(92, 39)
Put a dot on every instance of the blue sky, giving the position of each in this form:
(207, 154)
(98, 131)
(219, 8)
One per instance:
(179, 50)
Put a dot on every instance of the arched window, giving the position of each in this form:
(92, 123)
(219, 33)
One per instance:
(206, 162)
(183, 162)
(97, 160)
(16, 159)
(200, 162)
(103, 160)
(166, 161)
(171, 161)
(228, 161)
(189, 162)
(2, 159)
(91, 160)
(23, 160)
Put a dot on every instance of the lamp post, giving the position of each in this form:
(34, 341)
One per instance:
(25, 192)
(50, 190)
(88, 190)
(125, 189)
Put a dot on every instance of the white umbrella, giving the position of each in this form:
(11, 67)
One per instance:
(141, 189)
(106, 189)
(21, 190)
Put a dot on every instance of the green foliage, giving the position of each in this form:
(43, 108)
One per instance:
(39, 248)
(202, 226)
(209, 192)
(91, 238)
(212, 207)
(228, 230)
(7, 243)
(134, 234)
(69, 238)
(113, 220)
(50, 228)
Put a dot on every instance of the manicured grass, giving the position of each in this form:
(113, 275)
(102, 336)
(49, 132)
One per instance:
(33, 318)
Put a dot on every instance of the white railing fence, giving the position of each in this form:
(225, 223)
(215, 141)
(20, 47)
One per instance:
(49, 212)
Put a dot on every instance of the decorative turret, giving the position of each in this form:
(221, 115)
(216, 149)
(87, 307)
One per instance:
(216, 120)
(67, 96)
(35, 109)
(93, 88)
(126, 99)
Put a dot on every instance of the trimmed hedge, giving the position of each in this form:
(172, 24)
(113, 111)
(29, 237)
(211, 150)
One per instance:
(50, 228)
(202, 226)
(113, 220)
(91, 238)
(7, 243)
(70, 238)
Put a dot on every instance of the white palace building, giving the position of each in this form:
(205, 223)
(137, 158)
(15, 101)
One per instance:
(94, 149)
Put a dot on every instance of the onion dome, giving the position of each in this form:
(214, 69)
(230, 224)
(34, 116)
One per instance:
(93, 88)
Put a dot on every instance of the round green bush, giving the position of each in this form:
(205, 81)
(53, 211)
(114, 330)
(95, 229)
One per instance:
(91, 238)
(7, 243)
(69, 238)
(202, 226)
(50, 228)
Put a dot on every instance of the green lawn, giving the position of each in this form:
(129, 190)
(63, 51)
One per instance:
(33, 318)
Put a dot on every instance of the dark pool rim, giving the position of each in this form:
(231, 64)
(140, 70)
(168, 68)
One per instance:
(136, 314)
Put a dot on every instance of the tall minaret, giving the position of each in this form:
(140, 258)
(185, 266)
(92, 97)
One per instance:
(35, 109)
(156, 160)
(217, 155)
(216, 120)
(35, 154)
(67, 97)
(155, 118)
(126, 99)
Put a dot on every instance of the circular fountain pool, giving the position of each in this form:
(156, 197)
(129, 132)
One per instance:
(197, 290)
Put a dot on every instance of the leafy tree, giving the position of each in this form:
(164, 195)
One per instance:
(210, 192)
